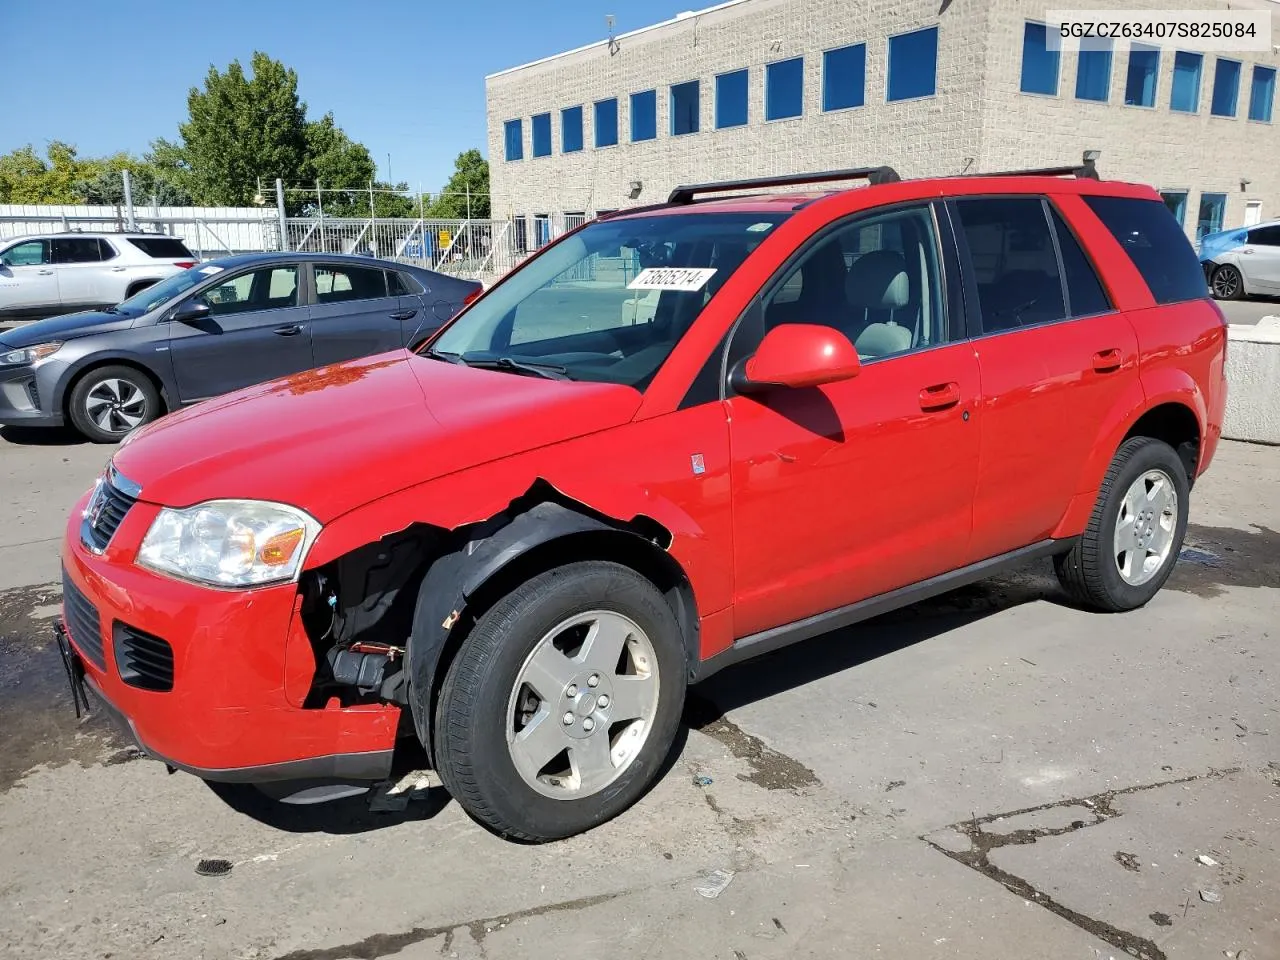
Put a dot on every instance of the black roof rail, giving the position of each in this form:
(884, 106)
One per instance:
(874, 175)
(1087, 170)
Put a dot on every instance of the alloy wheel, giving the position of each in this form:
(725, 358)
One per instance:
(1145, 527)
(116, 405)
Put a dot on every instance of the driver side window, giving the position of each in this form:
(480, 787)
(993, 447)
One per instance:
(267, 289)
(30, 254)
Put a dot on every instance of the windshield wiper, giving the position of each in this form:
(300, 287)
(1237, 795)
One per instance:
(441, 355)
(550, 371)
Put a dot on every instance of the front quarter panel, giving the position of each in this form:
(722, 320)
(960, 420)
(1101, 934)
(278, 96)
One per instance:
(142, 345)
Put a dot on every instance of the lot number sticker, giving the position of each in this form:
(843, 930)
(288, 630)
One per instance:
(672, 278)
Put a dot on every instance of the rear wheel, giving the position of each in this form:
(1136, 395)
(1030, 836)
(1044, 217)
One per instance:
(1228, 284)
(562, 704)
(1135, 534)
(110, 402)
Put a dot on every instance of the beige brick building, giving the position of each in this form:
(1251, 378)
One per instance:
(926, 86)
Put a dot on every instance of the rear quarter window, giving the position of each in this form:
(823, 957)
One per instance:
(162, 248)
(1156, 244)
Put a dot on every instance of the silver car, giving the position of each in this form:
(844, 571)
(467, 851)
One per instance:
(1244, 262)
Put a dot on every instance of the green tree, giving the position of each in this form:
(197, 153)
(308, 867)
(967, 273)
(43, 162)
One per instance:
(470, 173)
(26, 177)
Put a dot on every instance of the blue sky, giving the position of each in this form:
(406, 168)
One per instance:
(404, 77)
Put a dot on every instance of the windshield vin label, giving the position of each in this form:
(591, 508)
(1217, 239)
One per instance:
(672, 278)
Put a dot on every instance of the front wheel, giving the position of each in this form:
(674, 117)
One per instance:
(1228, 284)
(562, 704)
(110, 402)
(1135, 533)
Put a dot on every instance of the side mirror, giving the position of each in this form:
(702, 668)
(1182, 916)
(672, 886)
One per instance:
(192, 311)
(797, 355)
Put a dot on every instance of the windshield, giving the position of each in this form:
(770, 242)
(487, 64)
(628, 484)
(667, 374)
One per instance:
(168, 288)
(608, 303)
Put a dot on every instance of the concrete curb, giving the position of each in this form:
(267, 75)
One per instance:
(1253, 382)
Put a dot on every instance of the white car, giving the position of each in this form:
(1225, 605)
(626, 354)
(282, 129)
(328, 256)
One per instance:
(1244, 262)
(61, 273)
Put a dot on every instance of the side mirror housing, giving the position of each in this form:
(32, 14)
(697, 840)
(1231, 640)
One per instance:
(797, 355)
(192, 311)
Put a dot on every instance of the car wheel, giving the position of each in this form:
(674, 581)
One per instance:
(110, 402)
(562, 703)
(1135, 534)
(1228, 284)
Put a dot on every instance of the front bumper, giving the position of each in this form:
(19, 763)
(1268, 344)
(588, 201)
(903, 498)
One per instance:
(25, 400)
(241, 665)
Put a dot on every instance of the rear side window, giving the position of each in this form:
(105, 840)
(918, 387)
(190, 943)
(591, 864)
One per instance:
(1156, 245)
(162, 248)
(395, 286)
(1013, 261)
(1085, 296)
(337, 284)
(76, 250)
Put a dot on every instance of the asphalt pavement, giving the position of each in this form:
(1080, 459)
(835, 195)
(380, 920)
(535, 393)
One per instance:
(993, 774)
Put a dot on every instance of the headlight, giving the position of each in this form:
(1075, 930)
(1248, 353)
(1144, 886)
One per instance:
(229, 543)
(31, 354)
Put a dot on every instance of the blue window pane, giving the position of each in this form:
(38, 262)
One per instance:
(606, 122)
(644, 115)
(1186, 82)
(571, 129)
(913, 65)
(684, 108)
(1039, 63)
(1140, 84)
(784, 89)
(1093, 75)
(513, 138)
(844, 77)
(1226, 88)
(731, 99)
(1212, 208)
(1262, 93)
(542, 135)
(1176, 201)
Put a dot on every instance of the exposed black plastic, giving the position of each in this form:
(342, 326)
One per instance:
(144, 661)
(874, 175)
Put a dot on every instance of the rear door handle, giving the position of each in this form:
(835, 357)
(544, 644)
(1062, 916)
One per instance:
(1106, 361)
(117, 269)
(404, 315)
(940, 396)
(292, 330)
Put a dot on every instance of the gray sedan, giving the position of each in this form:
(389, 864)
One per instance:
(216, 327)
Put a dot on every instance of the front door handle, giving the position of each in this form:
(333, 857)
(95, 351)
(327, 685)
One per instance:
(1107, 361)
(117, 269)
(404, 315)
(940, 396)
(45, 273)
(292, 330)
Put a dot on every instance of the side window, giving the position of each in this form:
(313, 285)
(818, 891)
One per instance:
(29, 254)
(107, 251)
(1265, 236)
(1156, 244)
(1013, 261)
(397, 286)
(339, 284)
(1085, 296)
(268, 289)
(877, 279)
(76, 250)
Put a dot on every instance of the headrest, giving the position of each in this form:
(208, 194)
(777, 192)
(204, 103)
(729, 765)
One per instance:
(878, 281)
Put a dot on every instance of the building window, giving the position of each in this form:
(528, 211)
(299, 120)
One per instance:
(644, 115)
(784, 89)
(913, 65)
(844, 77)
(1039, 63)
(606, 122)
(684, 108)
(1262, 93)
(571, 129)
(1176, 201)
(731, 99)
(541, 230)
(522, 234)
(1093, 74)
(513, 137)
(1226, 88)
(1212, 208)
(542, 135)
(1140, 84)
(1186, 82)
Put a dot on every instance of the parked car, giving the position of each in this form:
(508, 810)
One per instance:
(1244, 262)
(48, 275)
(217, 327)
(520, 543)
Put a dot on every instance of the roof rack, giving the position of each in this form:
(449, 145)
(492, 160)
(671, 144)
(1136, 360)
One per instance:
(874, 175)
(1087, 170)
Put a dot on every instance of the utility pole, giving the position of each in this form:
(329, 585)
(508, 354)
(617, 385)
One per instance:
(128, 201)
(324, 246)
(284, 221)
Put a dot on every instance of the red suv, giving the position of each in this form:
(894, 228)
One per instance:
(677, 437)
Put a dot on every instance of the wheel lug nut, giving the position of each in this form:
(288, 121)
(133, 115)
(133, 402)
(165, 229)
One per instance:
(603, 701)
(593, 680)
(568, 719)
(588, 724)
(573, 690)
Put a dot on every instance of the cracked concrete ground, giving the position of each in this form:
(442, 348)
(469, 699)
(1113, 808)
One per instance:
(990, 775)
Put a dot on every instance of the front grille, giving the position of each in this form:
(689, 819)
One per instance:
(107, 509)
(82, 622)
(144, 661)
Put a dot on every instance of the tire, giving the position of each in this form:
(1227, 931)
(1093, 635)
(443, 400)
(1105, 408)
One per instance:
(488, 693)
(108, 403)
(1228, 284)
(1092, 570)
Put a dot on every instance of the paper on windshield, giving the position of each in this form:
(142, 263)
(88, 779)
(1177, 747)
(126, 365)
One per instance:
(209, 270)
(672, 278)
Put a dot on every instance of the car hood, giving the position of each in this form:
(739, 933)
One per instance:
(333, 439)
(66, 327)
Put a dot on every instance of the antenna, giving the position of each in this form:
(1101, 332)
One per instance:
(613, 41)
